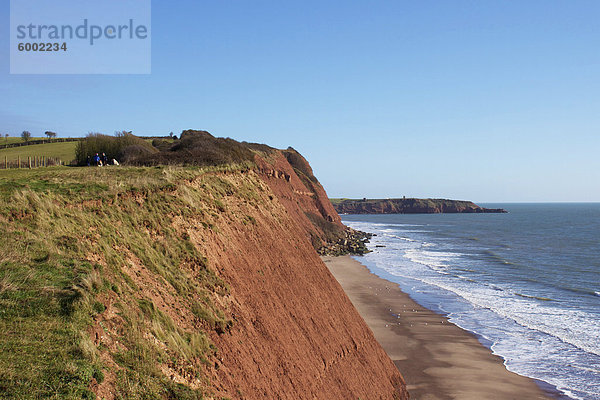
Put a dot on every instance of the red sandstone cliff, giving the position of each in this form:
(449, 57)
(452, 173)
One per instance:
(295, 334)
(288, 330)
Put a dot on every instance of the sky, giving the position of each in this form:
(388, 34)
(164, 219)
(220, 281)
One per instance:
(490, 101)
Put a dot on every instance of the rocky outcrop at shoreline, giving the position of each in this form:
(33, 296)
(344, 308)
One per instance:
(408, 206)
(352, 242)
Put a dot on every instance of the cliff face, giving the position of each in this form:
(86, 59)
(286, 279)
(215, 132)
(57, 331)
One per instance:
(295, 333)
(181, 283)
(408, 206)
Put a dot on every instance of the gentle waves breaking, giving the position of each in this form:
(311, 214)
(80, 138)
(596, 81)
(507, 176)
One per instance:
(526, 282)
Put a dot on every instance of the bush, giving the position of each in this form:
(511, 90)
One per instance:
(122, 145)
(130, 153)
(161, 144)
(199, 148)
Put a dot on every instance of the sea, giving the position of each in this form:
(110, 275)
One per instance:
(526, 283)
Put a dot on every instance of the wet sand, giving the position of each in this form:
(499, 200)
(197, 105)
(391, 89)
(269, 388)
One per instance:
(437, 359)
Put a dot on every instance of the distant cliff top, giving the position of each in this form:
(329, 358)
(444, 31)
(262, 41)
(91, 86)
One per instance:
(408, 206)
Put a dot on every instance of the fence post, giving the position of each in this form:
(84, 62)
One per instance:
(19, 161)
(5, 162)
(29, 161)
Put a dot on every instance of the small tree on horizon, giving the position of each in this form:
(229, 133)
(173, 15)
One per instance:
(50, 134)
(26, 135)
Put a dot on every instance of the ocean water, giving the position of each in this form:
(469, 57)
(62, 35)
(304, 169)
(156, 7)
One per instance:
(527, 282)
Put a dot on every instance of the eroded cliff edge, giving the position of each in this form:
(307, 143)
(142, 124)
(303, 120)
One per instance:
(296, 333)
(181, 282)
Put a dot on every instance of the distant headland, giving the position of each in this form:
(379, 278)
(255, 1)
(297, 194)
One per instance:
(408, 206)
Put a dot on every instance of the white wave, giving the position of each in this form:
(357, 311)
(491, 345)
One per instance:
(578, 328)
(596, 371)
(373, 225)
(435, 260)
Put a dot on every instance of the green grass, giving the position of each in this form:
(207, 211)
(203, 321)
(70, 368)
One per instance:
(17, 139)
(62, 150)
(335, 201)
(55, 222)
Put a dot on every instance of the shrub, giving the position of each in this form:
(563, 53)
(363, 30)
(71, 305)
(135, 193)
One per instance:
(162, 144)
(199, 148)
(26, 135)
(299, 163)
(123, 144)
(130, 153)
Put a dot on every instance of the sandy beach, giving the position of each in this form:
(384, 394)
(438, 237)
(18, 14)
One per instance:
(437, 359)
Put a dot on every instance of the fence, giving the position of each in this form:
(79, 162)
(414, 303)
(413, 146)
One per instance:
(43, 141)
(31, 162)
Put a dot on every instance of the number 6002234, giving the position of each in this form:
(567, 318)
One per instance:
(42, 46)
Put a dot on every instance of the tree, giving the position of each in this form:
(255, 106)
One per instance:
(6, 136)
(26, 135)
(50, 134)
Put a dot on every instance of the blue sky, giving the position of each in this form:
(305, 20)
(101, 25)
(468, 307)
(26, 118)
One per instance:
(480, 100)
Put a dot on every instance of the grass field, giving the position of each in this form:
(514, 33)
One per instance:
(17, 139)
(62, 150)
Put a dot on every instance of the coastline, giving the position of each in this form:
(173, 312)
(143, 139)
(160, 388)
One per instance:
(437, 359)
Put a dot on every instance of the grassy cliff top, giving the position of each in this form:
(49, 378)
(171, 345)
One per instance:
(68, 235)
